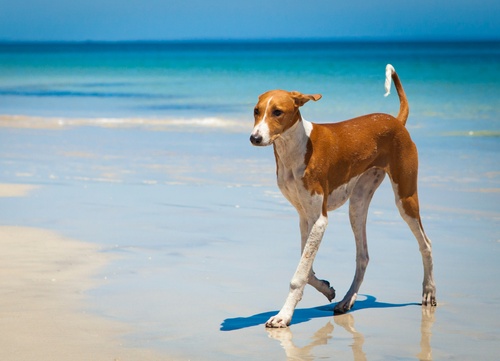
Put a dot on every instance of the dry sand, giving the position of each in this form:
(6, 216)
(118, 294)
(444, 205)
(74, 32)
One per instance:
(42, 315)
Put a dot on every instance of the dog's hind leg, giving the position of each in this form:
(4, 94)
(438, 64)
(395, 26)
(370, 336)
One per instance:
(358, 210)
(403, 173)
(409, 210)
(323, 286)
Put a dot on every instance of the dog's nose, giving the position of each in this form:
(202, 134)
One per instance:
(256, 139)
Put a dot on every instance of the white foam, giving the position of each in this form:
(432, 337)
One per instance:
(191, 124)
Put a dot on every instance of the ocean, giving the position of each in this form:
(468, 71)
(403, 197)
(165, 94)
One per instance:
(222, 79)
(143, 148)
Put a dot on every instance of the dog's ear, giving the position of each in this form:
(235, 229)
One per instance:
(301, 99)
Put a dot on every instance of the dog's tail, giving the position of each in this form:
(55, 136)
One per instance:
(404, 109)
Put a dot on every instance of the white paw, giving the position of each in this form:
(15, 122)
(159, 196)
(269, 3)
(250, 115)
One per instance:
(429, 296)
(278, 321)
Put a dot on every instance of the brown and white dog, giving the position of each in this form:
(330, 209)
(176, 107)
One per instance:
(321, 166)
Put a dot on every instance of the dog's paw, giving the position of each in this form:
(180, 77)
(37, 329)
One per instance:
(429, 297)
(278, 321)
(341, 308)
(329, 291)
(345, 305)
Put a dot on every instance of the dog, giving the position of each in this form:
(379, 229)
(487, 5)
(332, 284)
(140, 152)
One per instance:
(321, 166)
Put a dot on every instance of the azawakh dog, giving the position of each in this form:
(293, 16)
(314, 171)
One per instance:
(321, 166)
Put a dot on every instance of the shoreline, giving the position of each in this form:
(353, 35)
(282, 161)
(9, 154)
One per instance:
(43, 309)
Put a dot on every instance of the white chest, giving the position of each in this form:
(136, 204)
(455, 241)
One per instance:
(292, 186)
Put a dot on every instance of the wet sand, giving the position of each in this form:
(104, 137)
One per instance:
(15, 190)
(127, 243)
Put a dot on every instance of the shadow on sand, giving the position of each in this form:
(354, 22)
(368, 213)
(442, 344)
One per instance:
(306, 314)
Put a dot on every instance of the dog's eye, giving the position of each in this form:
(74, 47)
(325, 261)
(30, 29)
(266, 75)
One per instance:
(256, 111)
(277, 112)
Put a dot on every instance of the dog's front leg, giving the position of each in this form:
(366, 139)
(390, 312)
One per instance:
(322, 286)
(301, 276)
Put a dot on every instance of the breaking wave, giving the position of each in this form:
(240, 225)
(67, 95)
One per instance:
(154, 124)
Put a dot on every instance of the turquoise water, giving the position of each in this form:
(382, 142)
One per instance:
(201, 237)
(457, 82)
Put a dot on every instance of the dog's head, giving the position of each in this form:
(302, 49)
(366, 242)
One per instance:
(275, 113)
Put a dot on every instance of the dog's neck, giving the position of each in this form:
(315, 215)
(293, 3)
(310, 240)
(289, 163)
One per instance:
(290, 147)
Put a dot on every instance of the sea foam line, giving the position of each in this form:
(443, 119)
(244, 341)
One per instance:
(177, 124)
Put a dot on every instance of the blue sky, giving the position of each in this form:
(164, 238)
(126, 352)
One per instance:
(116, 20)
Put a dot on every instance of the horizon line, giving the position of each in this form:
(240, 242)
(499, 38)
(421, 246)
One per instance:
(265, 40)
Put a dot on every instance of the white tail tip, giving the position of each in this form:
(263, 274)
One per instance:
(389, 70)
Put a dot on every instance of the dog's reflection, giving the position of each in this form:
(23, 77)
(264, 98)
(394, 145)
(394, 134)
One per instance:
(428, 319)
(346, 321)
(320, 337)
(293, 352)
